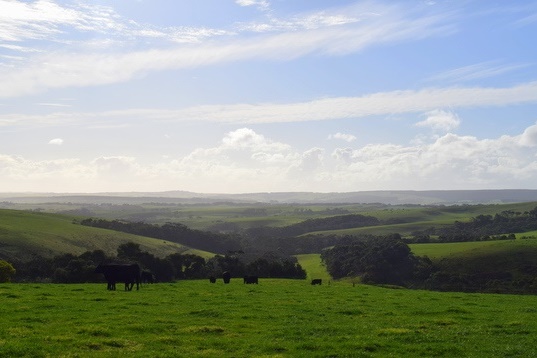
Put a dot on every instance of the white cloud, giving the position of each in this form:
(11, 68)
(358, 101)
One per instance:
(248, 161)
(261, 4)
(53, 104)
(327, 34)
(346, 137)
(56, 141)
(529, 137)
(44, 19)
(247, 138)
(440, 120)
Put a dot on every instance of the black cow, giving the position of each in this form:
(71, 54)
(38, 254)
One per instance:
(251, 279)
(226, 276)
(129, 274)
(212, 279)
(147, 277)
(316, 281)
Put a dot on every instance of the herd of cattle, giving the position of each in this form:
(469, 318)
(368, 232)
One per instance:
(131, 274)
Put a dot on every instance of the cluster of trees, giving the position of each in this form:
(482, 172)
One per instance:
(482, 227)
(389, 260)
(174, 232)
(311, 225)
(69, 268)
(384, 260)
(500, 281)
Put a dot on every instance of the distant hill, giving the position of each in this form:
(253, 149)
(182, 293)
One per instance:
(392, 197)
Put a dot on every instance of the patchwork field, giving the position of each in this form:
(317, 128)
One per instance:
(277, 318)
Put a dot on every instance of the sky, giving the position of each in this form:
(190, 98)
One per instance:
(240, 96)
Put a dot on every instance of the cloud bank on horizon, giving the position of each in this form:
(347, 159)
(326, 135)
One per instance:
(259, 95)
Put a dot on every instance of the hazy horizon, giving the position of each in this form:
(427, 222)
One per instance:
(247, 96)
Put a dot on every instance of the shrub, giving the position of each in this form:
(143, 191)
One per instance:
(6, 271)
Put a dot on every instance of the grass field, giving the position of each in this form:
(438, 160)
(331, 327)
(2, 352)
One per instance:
(472, 248)
(277, 318)
(24, 233)
(313, 266)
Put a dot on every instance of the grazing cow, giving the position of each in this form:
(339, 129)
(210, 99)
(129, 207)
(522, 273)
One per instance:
(129, 274)
(251, 279)
(147, 277)
(316, 281)
(212, 279)
(226, 276)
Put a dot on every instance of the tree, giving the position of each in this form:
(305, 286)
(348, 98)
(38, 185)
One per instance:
(129, 251)
(378, 260)
(6, 271)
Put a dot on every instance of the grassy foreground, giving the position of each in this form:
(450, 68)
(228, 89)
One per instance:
(277, 318)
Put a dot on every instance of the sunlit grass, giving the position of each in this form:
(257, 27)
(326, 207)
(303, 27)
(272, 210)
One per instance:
(286, 318)
(444, 250)
(313, 266)
(24, 233)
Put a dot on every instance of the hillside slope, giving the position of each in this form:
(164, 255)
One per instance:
(493, 266)
(25, 234)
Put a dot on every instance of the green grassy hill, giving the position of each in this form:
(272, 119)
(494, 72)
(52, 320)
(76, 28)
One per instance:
(23, 234)
(487, 266)
(468, 250)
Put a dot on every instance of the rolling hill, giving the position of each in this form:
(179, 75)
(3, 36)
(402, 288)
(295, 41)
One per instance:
(25, 234)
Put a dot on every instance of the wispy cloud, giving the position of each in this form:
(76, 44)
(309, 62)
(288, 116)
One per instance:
(53, 104)
(476, 71)
(331, 34)
(45, 19)
(383, 103)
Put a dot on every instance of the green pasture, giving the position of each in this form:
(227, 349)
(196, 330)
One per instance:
(528, 234)
(24, 233)
(314, 267)
(277, 318)
(473, 248)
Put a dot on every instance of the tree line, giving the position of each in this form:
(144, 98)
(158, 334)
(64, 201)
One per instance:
(337, 222)
(380, 260)
(481, 228)
(255, 240)
(70, 268)
(174, 232)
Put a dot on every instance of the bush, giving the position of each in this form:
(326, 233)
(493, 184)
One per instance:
(6, 271)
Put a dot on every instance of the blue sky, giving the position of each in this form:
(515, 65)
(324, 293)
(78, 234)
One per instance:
(267, 95)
